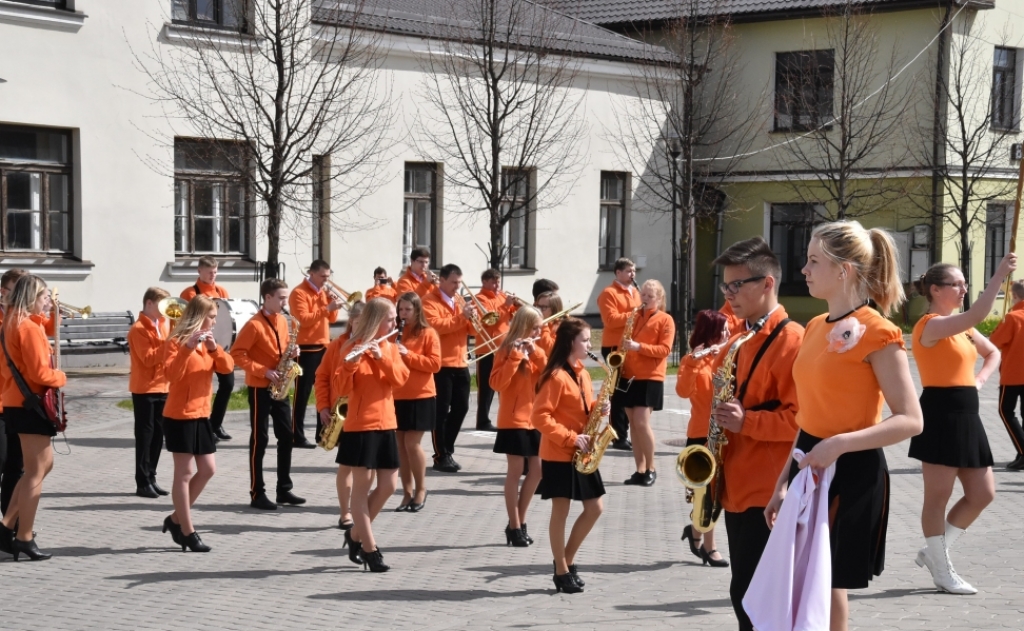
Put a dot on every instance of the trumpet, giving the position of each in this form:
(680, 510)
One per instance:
(489, 318)
(172, 308)
(69, 311)
(561, 314)
(362, 348)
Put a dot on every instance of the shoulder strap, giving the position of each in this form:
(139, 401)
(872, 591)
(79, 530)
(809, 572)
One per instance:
(196, 287)
(31, 398)
(757, 358)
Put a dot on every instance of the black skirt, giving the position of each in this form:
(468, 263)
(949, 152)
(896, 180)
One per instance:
(861, 488)
(700, 440)
(640, 393)
(517, 442)
(561, 479)
(374, 449)
(189, 436)
(953, 435)
(26, 421)
(416, 415)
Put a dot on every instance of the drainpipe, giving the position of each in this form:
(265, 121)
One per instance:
(938, 146)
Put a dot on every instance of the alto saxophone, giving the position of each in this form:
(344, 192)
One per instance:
(699, 468)
(587, 462)
(330, 433)
(617, 357)
(288, 368)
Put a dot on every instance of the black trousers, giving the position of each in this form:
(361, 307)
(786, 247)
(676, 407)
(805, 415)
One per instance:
(11, 465)
(452, 405)
(225, 386)
(1008, 397)
(617, 418)
(484, 394)
(309, 361)
(149, 435)
(748, 535)
(261, 409)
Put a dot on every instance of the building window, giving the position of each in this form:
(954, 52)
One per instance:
(35, 189)
(56, 4)
(1005, 91)
(791, 226)
(210, 201)
(613, 218)
(803, 89)
(421, 211)
(997, 237)
(226, 14)
(515, 205)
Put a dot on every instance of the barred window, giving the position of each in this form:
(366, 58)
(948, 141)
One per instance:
(1005, 91)
(516, 205)
(803, 89)
(997, 237)
(35, 189)
(210, 200)
(791, 226)
(420, 218)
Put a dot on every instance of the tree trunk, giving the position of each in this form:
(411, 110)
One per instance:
(965, 249)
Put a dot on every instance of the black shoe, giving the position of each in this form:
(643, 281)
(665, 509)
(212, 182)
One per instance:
(404, 505)
(649, 478)
(415, 508)
(302, 443)
(457, 466)
(287, 497)
(345, 525)
(1017, 464)
(147, 491)
(566, 583)
(636, 479)
(489, 427)
(159, 490)
(194, 543)
(6, 539)
(175, 529)
(526, 535)
(445, 465)
(706, 557)
(375, 561)
(622, 444)
(220, 434)
(29, 549)
(262, 502)
(688, 536)
(576, 576)
(355, 549)
(514, 537)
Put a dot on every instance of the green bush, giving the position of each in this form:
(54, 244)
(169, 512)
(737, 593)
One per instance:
(988, 325)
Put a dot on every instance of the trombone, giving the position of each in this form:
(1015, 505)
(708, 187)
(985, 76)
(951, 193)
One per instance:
(172, 308)
(489, 318)
(349, 299)
(561, 314)
(70, 311)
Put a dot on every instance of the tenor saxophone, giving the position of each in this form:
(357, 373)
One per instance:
(587, 462)
(288, 368)
(699, 468)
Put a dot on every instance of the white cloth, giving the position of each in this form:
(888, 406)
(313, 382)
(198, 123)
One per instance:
(792, 586)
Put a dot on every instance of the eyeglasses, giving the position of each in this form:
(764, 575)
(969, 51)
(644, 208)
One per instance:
(734, 287)
(544, 306)
(957, 285)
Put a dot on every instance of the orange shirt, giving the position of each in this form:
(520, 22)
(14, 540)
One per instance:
(560, 414)
(146, 344)
(410, 282)
(308, 305)
(655, 332)
(206, 289)
(30, 351)
(47, 327)
(1009, 339)
(369, 385)
(949, 363)
(514, 376)
(381, 291)
(324, 394)
(259, 346)
(615, 303)
(837, 389)
(495, 301)
(452, 327)
(189, 371)
(547, 336)
(694, 382)
(423, 360)
(753, 458)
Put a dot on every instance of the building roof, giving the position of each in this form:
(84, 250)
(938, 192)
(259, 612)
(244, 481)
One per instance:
(440, 19)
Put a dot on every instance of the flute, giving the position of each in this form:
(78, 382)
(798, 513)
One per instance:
(362, 348)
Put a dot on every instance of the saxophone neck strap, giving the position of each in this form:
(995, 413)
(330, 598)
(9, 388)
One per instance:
(579, 383)
(273, 328)
(757, 358)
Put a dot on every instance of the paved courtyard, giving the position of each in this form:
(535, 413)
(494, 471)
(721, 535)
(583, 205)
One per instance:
(114, 569)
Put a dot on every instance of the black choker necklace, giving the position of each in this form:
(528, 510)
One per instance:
(845, 315)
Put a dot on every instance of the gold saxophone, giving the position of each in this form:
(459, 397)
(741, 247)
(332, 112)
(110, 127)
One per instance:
(288, 368)
(699, 468)
(330, 433)
(617, 357)
(587, 462)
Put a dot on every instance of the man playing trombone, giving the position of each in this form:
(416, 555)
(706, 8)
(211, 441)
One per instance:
(495, 301)
(417, 277)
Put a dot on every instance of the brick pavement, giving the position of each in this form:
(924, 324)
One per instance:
(114, 569)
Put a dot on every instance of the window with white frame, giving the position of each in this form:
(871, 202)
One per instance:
(791, 226)
(421, 217)
(516, 206)
(613, 218)
(803, 89)
(1005, 90)
(998, 224)
(210, 201)
(35, 189)
(225, 14)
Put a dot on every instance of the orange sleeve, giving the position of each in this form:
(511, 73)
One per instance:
(430, 359)
(142, 348)
(35, 357)
(188, 293)
(686, 379)
(322, 381)
(663, 346)
(778, 424)
(505, 367)
(247, 337)
(48, 327)
(222, 362)
(548, 399)
(308, 312)
(612, 314)
(344, 376)
(176, 359)
(538, 359)
(443, 320)
(1003, 336)
(391, 364)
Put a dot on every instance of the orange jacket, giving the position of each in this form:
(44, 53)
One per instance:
(189, 371)
(547, 337)
(732, 321)
(369, 385)
(146, 343)
(452, 327)
(47, 326)
(259, 346)
(322, 388)
(655, 333)
(211, 291)
(423, 360)
(381, 291)
(559, 414)
(408, 282)
(515, 378)
(309, 306)
(495, 301)
(754, 458)
(30, 352)
(615, 303)
(1009, 339)
(694, 382)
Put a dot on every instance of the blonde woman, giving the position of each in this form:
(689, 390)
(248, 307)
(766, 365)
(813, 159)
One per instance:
(26, 347)
(191, 357)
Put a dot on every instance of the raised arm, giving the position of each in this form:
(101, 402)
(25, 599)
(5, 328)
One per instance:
(941, 327)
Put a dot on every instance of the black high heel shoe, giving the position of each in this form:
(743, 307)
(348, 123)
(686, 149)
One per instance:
(345, 525)
(576, 576)
(29, 549)
(375, 561)
(6, 539)
(514, 537)
(193, 543)
(355, 549)
(175, 529)
(526, 535)
(566, 583)
(688, 536)
(414, 507)
(706, 556)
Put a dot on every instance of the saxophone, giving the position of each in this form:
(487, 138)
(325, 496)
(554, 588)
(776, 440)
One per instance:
(288, 368)
(699, 468)
(330, 433)
(587, 462)
(618, 357)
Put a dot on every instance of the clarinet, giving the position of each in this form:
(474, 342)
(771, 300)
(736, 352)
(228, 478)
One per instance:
(401, 327)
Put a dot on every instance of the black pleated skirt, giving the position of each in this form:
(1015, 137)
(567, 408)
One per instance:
(860, 487)
(640, 393)
(517, 442)
(953, 435)
(561, 479)
(375, 449)
(27, 421)
(189, 436)
(416, 415)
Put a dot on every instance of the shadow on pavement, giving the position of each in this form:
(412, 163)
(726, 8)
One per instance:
(687, 608)
(894, 593)
(134, 580)
(413, 595)
(500, 571)
(103, 443)
(334, 552)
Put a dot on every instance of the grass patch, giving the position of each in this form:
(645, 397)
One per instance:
(988, 325)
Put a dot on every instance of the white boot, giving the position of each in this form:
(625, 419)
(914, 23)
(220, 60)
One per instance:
(943, 574)
(952, 534)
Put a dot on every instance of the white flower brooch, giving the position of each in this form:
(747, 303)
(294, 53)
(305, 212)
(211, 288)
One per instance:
(845, 335)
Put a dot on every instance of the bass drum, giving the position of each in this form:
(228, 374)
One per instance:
(232, 314)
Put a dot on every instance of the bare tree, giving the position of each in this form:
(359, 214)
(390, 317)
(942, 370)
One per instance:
(504, 119)
(296, 81)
